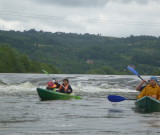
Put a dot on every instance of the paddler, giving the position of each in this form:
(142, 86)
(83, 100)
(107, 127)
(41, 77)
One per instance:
(65, 87)
(151, 89)
(51, 85)
(143, 84)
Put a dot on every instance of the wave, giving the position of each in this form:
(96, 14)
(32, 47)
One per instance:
(78, 88)
(17, 88)
(2, 82)
(87, 85)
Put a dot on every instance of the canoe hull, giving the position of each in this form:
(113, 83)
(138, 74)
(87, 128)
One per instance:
(53, 95)
(147, 104)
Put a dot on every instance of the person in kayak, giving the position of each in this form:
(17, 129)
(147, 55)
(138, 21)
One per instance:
(151, 89)
(51, 85)
(65, 87)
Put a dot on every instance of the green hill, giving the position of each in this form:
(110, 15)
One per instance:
(13, 62)
(87, 53)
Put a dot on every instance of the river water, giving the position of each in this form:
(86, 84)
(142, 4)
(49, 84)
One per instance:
(22, 112)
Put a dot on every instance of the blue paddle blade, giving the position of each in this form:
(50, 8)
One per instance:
(115, 98)
(133, 70)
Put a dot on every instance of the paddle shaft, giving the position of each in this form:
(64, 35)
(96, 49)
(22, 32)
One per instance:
(131, 99)
(140, 77)
(50, 76)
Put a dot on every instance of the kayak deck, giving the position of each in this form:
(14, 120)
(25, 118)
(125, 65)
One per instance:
(45, 94)
(147, 104)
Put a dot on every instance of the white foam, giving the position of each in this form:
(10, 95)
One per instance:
(102, 88)
(27, 86)
(79, 83)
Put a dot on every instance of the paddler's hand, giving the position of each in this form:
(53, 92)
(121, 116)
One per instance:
(57, 90)
(143, 81)
(154, 96)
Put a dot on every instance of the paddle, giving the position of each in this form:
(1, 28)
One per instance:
(48, 74)
(115, 98)
(134, 72)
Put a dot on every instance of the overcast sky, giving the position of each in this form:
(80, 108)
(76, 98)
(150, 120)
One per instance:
(117, 18)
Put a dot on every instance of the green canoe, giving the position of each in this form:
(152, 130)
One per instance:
(53, 95)
(147, 104)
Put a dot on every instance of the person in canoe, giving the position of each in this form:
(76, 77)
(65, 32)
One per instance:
(151, 89)
(65, 87)
(143, 84)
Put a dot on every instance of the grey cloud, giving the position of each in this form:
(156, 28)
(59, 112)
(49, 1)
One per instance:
(52, 15)
(74, 3)
(136, 1)
(89, 3)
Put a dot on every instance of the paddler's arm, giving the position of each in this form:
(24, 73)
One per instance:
(139, 87)
(58, 85)
(69, 91)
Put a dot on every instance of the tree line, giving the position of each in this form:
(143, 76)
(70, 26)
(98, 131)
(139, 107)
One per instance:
(69, 52)
(13, 62)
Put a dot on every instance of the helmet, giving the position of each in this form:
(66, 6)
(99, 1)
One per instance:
(153, 78)
(50, 84)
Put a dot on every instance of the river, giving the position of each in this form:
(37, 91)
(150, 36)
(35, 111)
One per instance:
(23, 113)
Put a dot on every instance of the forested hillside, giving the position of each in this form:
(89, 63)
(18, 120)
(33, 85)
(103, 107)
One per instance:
(13, 62)
(86, 53)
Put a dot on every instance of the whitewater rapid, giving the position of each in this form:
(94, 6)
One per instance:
(90, 85)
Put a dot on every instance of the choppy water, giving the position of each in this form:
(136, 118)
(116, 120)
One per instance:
(22, 113)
